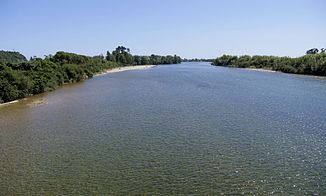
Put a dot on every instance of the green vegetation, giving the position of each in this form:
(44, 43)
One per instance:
(11, 57)
(197, 60)
(122, 56)
(313, 63)
(20, 78)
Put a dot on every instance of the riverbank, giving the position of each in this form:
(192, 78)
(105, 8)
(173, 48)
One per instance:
(114, 70)
(261, 70)
(8, 103)
(126, 68)
(273, 71)
(309, 64)
(21, 77)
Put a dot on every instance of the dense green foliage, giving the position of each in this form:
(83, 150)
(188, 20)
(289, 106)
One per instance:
(11, 57)
(198, 60)
(313, 63)
(20, 78)
(122, 56)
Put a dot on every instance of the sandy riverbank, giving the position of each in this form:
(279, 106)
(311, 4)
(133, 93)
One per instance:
(8, 103)
(114, 70)
(31, 101)
(126, 68)
(262, 70)
(294, 74)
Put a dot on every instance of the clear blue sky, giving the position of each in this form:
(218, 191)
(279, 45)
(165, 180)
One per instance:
(190, 28)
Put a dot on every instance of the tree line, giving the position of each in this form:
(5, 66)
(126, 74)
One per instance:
(11, 57)
(122, 56)
(20, 77)
(312, 63)
(198, 60)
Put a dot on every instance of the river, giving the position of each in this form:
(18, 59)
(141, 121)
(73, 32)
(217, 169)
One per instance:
(186, 129)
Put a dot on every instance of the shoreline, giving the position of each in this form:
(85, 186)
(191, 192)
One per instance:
(126, 68)
(8, 103)
(273, 71)
(262, 70)
(114, 70)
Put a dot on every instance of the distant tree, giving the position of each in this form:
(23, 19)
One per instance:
(65, 57)
(11, 57)
(100, 57)
(108, 56)
(145, 60)
(312, 51)
(137, 60)
(313, 63)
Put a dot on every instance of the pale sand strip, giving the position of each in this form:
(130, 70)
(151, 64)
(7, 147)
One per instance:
(262, 70)
(294, 74)
(127, 68)
(8, 103)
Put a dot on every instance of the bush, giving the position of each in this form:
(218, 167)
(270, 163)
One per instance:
(314, 64)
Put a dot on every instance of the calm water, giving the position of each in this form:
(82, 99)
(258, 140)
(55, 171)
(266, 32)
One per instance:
(175, 129)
